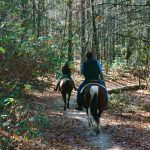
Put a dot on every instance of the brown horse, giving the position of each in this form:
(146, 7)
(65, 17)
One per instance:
(94, 100)
(66, 87)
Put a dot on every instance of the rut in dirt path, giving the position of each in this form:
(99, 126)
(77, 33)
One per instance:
(102, 141)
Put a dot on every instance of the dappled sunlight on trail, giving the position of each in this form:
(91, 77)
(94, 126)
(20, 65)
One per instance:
(69, 129)
(101, 141)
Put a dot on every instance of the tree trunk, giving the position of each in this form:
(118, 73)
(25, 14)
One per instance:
(126, 88)
(70, 51)
(24, 16)
(83, 47)
(95, 39)
(38, 26)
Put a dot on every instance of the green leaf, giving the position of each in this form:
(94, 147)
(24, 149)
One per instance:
(9, 101)
(2, 50)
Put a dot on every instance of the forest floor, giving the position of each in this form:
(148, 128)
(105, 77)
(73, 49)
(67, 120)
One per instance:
(121, 129)
(125, 125)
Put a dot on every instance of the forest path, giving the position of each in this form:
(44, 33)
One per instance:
(102, 141)
(68, 130)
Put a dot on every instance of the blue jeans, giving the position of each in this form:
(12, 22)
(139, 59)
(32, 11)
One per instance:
(83, 84)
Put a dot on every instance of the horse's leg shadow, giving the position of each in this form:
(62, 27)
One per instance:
(68, 100)
(97, 128)
(64, 99)
(98, 125)
(90, 121)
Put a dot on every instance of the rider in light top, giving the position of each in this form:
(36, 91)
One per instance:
(91, 69)
(66, 71)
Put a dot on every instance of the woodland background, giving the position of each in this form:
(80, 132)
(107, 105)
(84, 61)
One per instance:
(38, 36)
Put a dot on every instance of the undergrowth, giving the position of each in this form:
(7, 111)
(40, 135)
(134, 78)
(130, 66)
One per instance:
(120, 103)
(18, 124)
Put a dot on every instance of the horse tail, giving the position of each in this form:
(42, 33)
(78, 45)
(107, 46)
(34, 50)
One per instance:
(94, 103)
(66, 90)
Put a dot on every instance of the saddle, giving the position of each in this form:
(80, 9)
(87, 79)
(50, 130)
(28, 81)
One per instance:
(91, 82)
(61, 82)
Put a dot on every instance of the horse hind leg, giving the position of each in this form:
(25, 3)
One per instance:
(68, 99)
(97, 127)
(64, 99)
(90, 119)
(99, 122)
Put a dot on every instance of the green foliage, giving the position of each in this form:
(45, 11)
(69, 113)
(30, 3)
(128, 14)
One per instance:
(116, 101)
(119, 64)
(120, 103)
(30, 55)
(2, 50)
(146, 107)
(139, 58)
(33, 58)
(17, 124)
(9, 101)
(27, 86)
(120, 50)
(40, 120)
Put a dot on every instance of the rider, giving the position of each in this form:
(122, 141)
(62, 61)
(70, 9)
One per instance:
(91, 69)
(66, 71)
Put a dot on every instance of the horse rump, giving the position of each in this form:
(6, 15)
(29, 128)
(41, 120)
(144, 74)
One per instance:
(94, 100)
(66, 87)
(94, 108)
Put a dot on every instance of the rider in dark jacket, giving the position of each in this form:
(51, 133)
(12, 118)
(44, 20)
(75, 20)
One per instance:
(66, 71)
(91, 69)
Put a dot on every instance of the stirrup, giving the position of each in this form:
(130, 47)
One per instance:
(80, 108)
(55, 89)
(75, 89)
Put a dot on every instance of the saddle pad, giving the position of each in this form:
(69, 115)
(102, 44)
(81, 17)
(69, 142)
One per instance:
(91, 84)
(63, 80)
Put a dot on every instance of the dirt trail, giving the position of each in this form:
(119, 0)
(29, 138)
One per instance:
(69, 130)
(103, 141)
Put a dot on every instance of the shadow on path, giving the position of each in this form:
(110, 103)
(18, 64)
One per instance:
(102, 141)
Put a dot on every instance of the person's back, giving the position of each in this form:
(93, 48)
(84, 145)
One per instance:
(66, 70)
(91, 69)
(66, 73)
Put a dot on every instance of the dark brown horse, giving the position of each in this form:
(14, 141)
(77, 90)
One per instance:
(94, 100)
(66, 87)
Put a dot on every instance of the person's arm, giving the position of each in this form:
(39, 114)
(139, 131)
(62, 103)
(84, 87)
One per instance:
(82, 70)
(100, 70)
(99, 67)
(69, 71)
(63, 70)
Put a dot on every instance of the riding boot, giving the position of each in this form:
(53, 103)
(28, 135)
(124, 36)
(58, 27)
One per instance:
(79, 107)
(55, 89)
(74, 87)
(73, 84)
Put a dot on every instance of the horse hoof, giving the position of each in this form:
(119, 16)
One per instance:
(97, 132)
